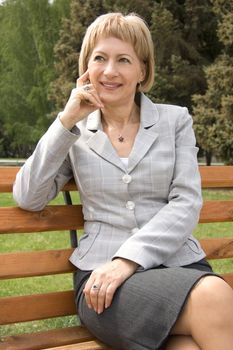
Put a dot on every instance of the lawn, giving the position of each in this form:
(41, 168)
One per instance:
(60, 239)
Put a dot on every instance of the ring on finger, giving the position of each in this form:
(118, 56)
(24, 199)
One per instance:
(95, 287)
(86, 88)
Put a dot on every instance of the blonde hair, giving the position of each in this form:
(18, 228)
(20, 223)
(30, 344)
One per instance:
(130, 28)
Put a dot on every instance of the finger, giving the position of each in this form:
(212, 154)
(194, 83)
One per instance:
(88, 300)
(86, 292)
(104, 297)
(95, 96)
(109, 294)
(101, 298)
(89, 96)
(91, 294)
(94, 295)
(91, 99)
(83, 79)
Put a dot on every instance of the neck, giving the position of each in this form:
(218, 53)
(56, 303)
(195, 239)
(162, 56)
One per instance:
(120, 116)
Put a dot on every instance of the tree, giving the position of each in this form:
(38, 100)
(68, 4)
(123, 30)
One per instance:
(213, 111)
(67, 49)
(182, 32)
(29, 29)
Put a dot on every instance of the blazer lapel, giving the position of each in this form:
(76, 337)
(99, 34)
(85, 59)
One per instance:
(99, 142)
(147, 133)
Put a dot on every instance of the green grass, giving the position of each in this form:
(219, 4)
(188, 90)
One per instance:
(60, 239)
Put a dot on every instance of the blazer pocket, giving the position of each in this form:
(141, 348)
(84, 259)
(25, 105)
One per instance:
(88, 238)
(194, 245)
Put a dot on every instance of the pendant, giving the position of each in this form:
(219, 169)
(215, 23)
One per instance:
(121, 139)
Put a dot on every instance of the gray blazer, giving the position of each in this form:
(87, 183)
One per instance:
(145, 212)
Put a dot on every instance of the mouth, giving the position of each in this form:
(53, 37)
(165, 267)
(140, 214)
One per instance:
(110, 85)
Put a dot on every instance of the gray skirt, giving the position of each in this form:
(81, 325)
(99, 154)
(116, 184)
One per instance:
(145, 307)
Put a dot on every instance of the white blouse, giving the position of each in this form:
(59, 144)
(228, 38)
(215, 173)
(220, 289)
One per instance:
(125, 161)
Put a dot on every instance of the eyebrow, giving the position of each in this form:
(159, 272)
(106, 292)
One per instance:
(104, 53)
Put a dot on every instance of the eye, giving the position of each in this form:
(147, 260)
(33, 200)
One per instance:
(98, 58)
(124, 60)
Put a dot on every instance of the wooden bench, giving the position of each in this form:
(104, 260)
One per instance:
(14, 309)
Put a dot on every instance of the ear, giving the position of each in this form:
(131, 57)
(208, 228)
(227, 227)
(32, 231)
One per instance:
(143, 72)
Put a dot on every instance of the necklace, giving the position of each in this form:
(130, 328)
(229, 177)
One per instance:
(113, 130)
(121, 138)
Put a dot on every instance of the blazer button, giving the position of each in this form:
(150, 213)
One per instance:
(127, 178)
(130, 205)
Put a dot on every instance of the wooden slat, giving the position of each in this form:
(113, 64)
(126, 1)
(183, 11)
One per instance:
(217, 211)
(52, 217)
(55, 217)
(218, 248)
(7, 178)
(70, 186)
(228, 278)
(216, 176)
(36, 307)
(19, 264)
(91, 345)
(212, 177)
(14, 265)
(46, 339)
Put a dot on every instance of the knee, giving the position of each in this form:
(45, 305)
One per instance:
(214, 290)
(214, 297)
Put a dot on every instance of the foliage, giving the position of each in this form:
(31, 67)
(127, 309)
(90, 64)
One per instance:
(213, 111)
(29, 30)
(82, 13)
(183, 33)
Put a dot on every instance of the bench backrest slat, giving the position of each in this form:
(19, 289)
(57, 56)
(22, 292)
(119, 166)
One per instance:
(7, 177)
(212, 176)
(228, 277)
(218, 248)
(217, 211)
(63, 217)
(50, 262)
(216, 176)
(53, 217)
(36, 307)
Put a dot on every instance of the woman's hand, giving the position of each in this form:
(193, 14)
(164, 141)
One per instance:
(82, 101)
(104, 281)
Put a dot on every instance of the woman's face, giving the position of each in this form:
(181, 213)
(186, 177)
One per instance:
(115, 70)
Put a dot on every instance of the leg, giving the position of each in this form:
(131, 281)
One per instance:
(181, 342)
(208, 315)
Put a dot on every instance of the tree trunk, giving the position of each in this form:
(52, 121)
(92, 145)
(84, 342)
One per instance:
(208, 157)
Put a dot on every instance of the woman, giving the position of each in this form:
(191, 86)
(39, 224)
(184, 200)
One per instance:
(142, 281)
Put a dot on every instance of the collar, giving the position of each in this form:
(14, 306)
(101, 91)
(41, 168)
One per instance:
(149, 115)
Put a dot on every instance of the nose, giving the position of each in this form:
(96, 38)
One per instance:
(110, 69)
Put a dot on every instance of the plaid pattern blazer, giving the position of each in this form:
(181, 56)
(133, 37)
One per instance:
(145, 212)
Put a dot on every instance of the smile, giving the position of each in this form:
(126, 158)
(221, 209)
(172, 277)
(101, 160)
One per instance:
(110, 86)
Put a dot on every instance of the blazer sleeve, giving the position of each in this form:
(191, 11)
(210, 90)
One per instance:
(47, 170)
(167, 231)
